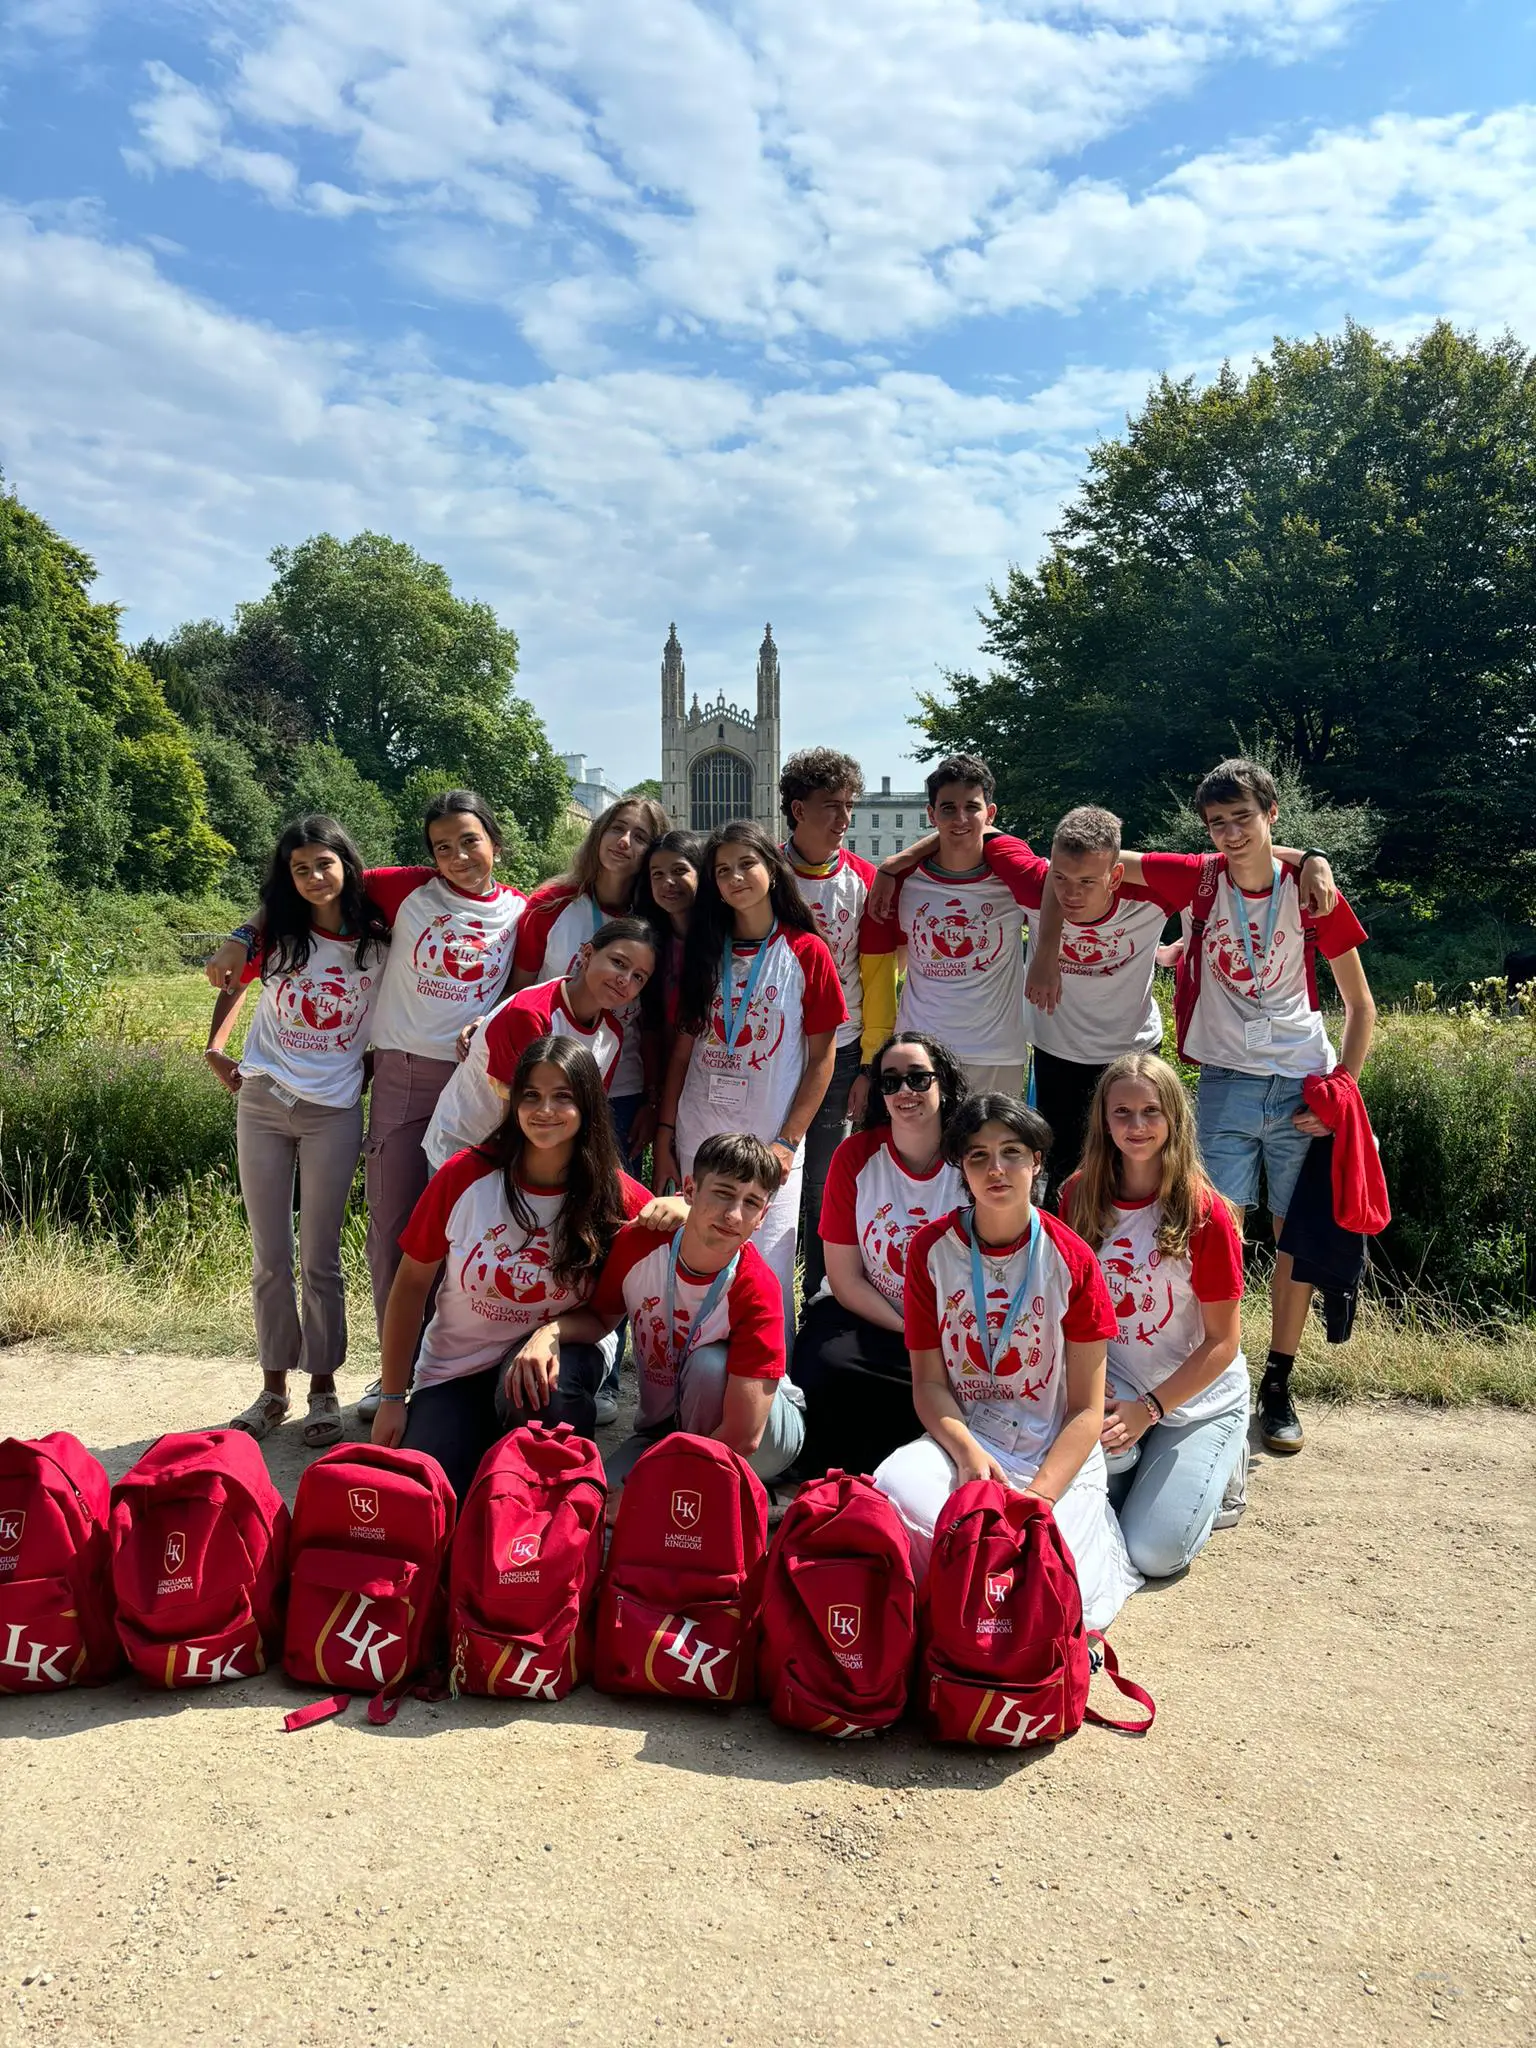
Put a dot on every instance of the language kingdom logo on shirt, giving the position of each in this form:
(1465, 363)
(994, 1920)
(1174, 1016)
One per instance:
(322, 1010)
(887, 1235)
(948, 940)
(1096, 949)
(505, 1275)
(761, 1031)
(453, 948)
(1142, 1294)
(1224, 950)
(1019, 1371)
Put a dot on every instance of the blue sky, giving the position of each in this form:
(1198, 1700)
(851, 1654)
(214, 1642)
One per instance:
(657, 309)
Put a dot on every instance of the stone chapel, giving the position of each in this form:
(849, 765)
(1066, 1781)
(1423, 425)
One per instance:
(719, 761)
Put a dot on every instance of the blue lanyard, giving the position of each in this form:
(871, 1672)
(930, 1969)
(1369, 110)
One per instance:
(734, 1013)
(599, 916)
(990, 1345)
(722, 1280)
(1246, 936)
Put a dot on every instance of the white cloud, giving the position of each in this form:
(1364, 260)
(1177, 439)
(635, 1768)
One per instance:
(777, 168)
(179, 442)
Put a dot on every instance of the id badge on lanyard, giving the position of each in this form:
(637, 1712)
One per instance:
(677, 1354)
(991, 1346)
(729, 1090)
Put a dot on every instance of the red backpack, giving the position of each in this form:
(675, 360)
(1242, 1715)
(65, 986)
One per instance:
(839, 1611)
(525, 1564)
(1186, 985)
(1005, 1653)
(371, 1525)
(56, 1624)
(677, 1606)
(199, 1556)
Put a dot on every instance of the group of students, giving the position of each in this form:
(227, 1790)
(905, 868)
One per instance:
(725, 1008)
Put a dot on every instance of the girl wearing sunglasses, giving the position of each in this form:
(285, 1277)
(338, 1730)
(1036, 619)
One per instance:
(884, 1183)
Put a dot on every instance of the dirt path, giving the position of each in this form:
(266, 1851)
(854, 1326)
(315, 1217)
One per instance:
(1322, 1842)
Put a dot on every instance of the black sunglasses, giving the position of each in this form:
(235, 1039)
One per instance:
(916, 1078)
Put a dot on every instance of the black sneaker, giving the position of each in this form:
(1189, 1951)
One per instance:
(1279, 1424)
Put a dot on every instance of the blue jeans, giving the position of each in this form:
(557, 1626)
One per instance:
(1245, 1120)
(1167, 1501)
(700, 1406)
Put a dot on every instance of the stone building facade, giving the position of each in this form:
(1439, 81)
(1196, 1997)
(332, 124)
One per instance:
(720, 761)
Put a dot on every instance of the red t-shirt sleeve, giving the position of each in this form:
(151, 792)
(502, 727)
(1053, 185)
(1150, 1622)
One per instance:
(1064, 1197)
(839, 1218)
(824, 1006)
(389, 887)
(1339, 932)
(754, 1350)
(425, 1237)
(1017, 866)
(630, 1246)
(1171, 879)
(635, 1196)
(1090, 1312)
(920, 1300)
(510, 1032)
(1216, 1257)
(534, 927)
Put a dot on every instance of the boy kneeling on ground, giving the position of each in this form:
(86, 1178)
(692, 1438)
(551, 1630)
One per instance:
(707, 1317)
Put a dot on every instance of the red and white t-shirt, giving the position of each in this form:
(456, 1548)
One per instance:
(1277, 1027)
(450, 954)
(310, 1029)
(750, 1085)
(1017, 1407)
(836, 897)
(1157, 1304)
(555, 927)
(497, 1282)
(748, 1318)
(965, 953)
(1107, 1006)
(473, 1103)
(874, 1200)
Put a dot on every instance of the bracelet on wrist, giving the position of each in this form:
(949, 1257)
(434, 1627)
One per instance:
(1311, 853)
(665, 1127)
(392, 1397)
(1153, 1406)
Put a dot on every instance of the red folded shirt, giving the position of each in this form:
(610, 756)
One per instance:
(1359, 1185)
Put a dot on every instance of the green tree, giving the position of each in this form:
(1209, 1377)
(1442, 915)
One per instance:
(85, 729)
(239, 808)
(326, 780)
(649, 787)
(1338, 551)
(405, 676)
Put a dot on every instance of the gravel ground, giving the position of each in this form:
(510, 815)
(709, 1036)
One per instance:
(1323, 1841)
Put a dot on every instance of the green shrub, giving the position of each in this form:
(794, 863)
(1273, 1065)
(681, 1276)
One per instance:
(147, 934)
(1453, 1104)
(54, 969)
(89, 1130)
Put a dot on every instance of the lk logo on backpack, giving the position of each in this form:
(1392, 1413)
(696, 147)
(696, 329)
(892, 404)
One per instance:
(199, 1552)
(839, 1627)
(371, 1526)
(1005, 1654)
(677, 1607)
(526, 1557)
(56, 1625)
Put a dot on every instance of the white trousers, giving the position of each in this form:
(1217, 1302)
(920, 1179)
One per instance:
(919, 1478)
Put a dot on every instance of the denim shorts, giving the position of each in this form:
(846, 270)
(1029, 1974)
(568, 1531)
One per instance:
(1244, 1119)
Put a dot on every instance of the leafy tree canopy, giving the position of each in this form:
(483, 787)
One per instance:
(1337, 551)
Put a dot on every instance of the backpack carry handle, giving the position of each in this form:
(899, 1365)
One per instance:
(1128, 1686)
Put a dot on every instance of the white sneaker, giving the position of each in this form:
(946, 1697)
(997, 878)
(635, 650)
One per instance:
(368, 1401)
(1235, 1499)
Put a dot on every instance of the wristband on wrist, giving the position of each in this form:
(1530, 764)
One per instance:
(391, 1397)
(246, 935)
(1153, 1406)
(665, 1127)
(1312, 853)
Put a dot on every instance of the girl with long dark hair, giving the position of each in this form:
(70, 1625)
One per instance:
(885, 1183)
(757, 1023)
(299, 1084)
(519, 1228)
(1007, 1320)
(669, 887)
(1176, 1417)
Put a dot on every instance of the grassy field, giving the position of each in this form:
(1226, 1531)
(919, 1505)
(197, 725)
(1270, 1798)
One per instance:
(177, 1280)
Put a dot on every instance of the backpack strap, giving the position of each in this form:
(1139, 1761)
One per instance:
(1186, 986)
(317, 1710)
(1128, 1686)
